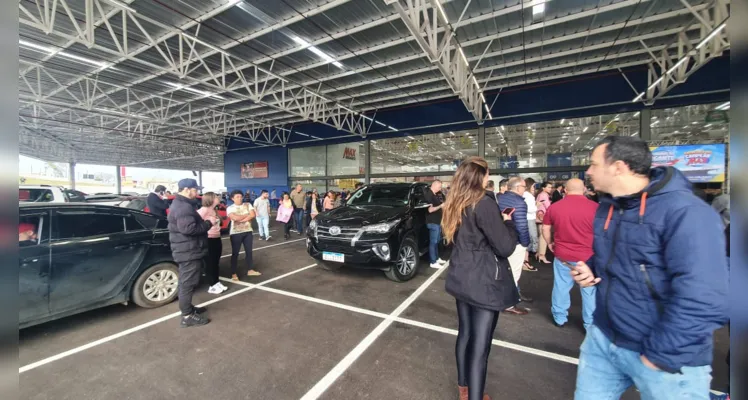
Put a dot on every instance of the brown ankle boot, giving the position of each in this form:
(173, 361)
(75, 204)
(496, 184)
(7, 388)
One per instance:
(463, 392)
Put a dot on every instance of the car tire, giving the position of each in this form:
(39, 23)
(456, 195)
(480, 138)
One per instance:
(164, 274)
(330, 266)
(408, 254)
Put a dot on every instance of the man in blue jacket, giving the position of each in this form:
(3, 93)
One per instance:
(512, 198)
(661, 274)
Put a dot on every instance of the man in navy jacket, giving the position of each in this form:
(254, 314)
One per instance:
(661, 274)
(512, 198)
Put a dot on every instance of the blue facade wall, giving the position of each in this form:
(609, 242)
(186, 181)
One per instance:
(277, 158)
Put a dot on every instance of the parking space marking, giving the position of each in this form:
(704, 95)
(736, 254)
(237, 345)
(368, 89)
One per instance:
(151, 323)
(267, 247)
(351, 357)
(406, 321)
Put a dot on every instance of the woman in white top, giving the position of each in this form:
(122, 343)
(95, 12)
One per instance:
(241, 215)
(532, 210)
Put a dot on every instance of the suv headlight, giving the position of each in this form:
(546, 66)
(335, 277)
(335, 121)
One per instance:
(381, 228)
(313, 224)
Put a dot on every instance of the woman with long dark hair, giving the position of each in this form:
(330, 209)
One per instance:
(479, 278)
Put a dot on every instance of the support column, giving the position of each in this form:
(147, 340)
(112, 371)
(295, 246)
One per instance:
(367, 161)
(118, 175)
(645, 118)
(200, 178)
(72, 175)
(482, 141)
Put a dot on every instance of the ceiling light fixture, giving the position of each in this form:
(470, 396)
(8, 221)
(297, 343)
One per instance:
(562, 120)
(724, 106)
(538, 9)
(314, 49)
(585, 129)
(39, 47)
(121, 5)
(636, 115)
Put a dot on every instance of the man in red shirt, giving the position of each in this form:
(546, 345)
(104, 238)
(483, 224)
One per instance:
(571, 220)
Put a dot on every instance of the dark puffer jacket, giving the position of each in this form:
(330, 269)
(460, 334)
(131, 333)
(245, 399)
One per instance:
(517, 202)
(479, 272)
(188, 233)
(661, 257)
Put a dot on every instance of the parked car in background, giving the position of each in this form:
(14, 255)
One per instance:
(49, 194)
(381, 226)
(77, 257)
(139, 203)
(105, 199)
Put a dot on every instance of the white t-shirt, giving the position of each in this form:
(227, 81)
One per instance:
(532, 207)
(261, 207)
(240, 227)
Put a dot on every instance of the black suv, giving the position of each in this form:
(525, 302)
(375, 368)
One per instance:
(382, 226)
(75, 257)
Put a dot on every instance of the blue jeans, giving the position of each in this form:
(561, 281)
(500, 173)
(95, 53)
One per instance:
(605, 371)
(561, 300)
(298, 216)
(263, 223)
(435, 235)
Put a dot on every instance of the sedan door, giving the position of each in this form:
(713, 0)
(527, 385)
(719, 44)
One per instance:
(420, 210)
(93, 258)
(33, 263)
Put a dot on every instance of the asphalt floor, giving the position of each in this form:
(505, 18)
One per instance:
(301, 332)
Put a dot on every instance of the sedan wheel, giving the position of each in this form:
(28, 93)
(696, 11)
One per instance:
(156, 286)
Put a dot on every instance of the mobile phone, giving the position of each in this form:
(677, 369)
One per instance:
(508, 211)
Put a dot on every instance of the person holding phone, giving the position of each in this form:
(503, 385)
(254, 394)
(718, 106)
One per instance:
(514, 198)
(567, 227)
(241, 215)
(479, 276)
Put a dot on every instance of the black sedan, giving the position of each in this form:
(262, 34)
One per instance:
(78, 257)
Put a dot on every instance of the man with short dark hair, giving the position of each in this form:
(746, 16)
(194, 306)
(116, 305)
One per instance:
(660, 269)
(262, 208)
(490, 186)
(558, 193)
(358, 185)
(156, 202)
(503, 186)
(188, 236)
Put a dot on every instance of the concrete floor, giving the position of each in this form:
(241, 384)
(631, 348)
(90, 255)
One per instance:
(305, 333)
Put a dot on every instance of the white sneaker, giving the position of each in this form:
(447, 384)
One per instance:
(435, 265)
(268, 238)
(442, 262)
(222, 286)
(215, 289)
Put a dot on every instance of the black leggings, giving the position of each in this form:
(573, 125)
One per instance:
(237, 240)
(287, 227)
(215, 248)
(473, 346)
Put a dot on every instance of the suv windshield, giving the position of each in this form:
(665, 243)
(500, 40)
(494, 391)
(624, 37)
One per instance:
(381, 196)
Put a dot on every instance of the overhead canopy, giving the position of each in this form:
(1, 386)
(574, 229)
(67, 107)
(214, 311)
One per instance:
(164, 85)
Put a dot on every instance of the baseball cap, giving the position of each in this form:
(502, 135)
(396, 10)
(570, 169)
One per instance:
(188, 183)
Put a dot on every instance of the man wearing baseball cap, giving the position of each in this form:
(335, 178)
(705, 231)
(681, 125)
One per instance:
(188, 234)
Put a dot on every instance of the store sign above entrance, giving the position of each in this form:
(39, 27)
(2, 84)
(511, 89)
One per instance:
(349, 153)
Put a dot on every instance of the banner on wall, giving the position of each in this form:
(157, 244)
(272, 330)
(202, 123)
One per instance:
(699, 162)
(508, 162)
(255, 170)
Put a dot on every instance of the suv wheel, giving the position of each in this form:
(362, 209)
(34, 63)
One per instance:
(156, 286)
(406, 264)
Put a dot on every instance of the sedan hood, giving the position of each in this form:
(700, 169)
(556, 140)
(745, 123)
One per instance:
(357, 216)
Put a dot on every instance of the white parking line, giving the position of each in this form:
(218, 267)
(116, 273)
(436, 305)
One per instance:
(406, 321)
(349, 359)
(266, 247)
(151, 323)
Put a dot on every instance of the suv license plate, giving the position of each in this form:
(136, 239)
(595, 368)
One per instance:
(335, 257)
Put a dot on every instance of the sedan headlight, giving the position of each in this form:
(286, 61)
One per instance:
(313, 224)
(381, 228)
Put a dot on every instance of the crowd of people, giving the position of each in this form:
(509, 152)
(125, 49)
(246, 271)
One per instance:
(647, 254)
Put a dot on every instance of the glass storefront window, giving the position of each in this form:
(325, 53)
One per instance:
(346, 159)
(424, 153)
(307, 161)
(308, 184)
(557, 143)
(694, 123)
